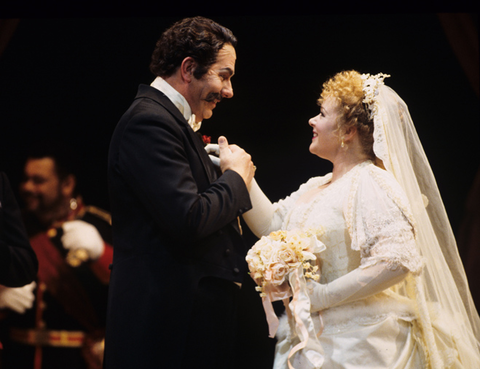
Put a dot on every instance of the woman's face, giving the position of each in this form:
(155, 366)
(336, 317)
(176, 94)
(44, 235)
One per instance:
(325, 141)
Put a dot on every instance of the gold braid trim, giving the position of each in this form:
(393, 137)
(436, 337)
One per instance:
(103, 214)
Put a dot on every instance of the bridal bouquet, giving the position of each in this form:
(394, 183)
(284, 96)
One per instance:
(273, 257)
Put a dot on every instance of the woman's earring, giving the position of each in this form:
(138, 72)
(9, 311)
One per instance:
(342, 144)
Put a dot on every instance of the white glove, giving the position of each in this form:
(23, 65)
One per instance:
(80, 235)
(17, 299)
(213, 148)
(261, 218)
(356, 285)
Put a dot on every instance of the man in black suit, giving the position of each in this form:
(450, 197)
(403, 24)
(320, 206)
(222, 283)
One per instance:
(178, 252)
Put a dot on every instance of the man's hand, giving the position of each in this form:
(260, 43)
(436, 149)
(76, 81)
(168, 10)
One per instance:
(235, 158)
(80, 235)
(17, 299)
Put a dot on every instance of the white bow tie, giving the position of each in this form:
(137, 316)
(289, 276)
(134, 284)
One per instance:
(195, 126)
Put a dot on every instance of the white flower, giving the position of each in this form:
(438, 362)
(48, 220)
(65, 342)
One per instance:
(273, 257)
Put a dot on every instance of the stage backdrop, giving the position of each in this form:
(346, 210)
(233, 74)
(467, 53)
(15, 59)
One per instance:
(71, 79)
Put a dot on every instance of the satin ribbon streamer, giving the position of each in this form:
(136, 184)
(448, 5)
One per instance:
(308, 354)
(283, 292)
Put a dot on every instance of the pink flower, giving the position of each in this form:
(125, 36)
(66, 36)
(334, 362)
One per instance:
(276, 273)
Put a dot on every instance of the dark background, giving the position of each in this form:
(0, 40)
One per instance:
(71, 78)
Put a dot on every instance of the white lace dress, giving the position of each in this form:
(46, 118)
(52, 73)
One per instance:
(366, 219)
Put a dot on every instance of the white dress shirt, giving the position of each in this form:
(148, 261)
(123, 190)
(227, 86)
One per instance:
(178, 100)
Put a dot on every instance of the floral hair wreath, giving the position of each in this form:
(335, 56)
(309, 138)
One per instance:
(370, 89)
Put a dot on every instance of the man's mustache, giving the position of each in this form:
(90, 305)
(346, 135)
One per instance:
(212, 96)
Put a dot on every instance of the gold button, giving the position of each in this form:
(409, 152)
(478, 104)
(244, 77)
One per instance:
(52, 232)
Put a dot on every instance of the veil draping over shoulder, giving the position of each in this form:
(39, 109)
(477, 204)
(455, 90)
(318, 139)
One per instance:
(446, 310)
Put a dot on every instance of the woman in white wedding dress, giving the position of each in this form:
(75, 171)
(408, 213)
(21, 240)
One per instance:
(392, 291)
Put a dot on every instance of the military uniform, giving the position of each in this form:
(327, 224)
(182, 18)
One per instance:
(65, 327)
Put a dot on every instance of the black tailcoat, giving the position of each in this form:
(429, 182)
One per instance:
(175, 221)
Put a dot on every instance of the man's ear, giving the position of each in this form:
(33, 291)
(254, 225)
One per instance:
(187, 68)
(68, 186)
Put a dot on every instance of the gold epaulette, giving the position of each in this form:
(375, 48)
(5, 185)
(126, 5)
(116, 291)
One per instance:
(103, 214)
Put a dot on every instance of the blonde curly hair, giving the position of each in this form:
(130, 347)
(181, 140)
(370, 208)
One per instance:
(347, 89)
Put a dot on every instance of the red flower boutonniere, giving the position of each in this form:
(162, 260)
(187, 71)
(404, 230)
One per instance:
(206, 139)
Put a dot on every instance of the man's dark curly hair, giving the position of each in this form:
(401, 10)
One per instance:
(198, 37)
(65, 158)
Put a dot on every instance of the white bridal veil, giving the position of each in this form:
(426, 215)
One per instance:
(449, 320)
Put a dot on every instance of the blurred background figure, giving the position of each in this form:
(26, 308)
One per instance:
(18, 262)
(64, 327)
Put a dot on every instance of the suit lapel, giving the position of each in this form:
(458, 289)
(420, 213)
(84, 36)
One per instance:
(195, 140)
(197, 144)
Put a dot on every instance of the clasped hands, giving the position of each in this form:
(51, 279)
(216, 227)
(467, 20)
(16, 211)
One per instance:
(232, 157)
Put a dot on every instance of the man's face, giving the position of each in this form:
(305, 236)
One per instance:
(216, 84)
(41, 187)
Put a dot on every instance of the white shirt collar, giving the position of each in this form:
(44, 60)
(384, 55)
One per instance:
(178, 100)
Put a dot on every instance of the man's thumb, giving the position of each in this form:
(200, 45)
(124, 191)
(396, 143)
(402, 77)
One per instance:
(222, 142)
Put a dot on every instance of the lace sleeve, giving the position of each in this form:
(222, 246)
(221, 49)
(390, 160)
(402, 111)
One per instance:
(380, 222)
